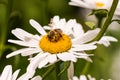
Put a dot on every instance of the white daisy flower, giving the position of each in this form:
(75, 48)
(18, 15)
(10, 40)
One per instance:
(95, 4)
(92, 4)
(7, 73)
(65, 41)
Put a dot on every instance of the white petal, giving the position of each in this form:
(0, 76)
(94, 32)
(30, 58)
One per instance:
(70, 71)
(67, 57)
(52, 58)
(83, 55)
(18, 52)
(30, 52)
(7, 73)
(79, 3)
(88, 36)
(34, 62)
(68, 27)
(86, 58)
(78, 30)
(43, 62)
(75, 78)
(83, 47)
(15, 74)
(105, 40)
(55, 19)
(27, 75)
(92, 78)
(37, 26)
(37, 78)
(82, 77)
(60, 24)
(21, 34)
(47, 27)
(110, 38)
(31, 43)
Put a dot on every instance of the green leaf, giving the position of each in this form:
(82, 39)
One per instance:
(100, 13)
(65, 67)
(90, 24)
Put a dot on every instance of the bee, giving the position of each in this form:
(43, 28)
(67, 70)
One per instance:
(54, 35)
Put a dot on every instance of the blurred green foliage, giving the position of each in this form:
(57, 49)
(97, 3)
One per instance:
(16, 13)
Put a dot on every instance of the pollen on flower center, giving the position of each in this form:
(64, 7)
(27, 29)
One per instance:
(55, 42)
(99, 4)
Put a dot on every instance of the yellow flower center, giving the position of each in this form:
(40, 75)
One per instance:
(55, 42)
(99, 4)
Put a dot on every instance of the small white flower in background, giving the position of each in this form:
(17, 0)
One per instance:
(95, 4)
(37, 78)
(8, 75)
(92, 4)
(117, 12)
(83, 77)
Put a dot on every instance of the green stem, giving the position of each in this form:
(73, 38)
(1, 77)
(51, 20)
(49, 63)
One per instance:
(53, 67)
(3, 15)
(57, 71)
(47, 72)
(4, 23)
(66, 66)
(100, 22)
(108, 20)
(86, 68)
(103, 29)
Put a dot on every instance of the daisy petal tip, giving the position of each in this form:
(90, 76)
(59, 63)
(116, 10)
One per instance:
(7, 56)
(9, 40)
(32, 21)
(56, 17)
(115, 40)
(40, 66)
(88, 59)
(74, 60)
(95, 47)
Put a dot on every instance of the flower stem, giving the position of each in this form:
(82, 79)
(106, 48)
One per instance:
(103, 29)
(57, 71)
(99, 22)
(108, 20)
(86, 68)
(66, 66)
(6, 8)
(53, 67)
(47, 72)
